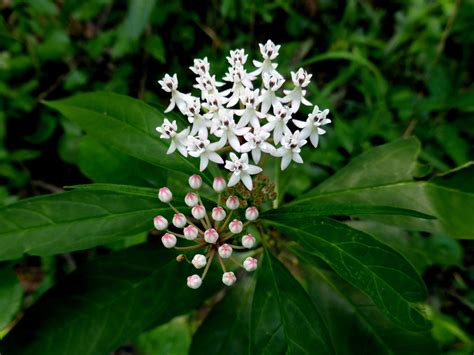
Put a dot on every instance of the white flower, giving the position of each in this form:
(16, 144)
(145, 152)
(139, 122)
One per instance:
(190, 232)
(160, 223)
(271, 83)
(218, 214)
(278, 123)
(225, 251)
(168, 130)
(256, 144)
(251, 100)
(211, 236)
(241, 170)
(195, 182)
(179, 220)
(241, 81)
(219, 184)
(232, 202)
(199, 122)
(296, 96)
(208, 85)
(312, 126)
(250, 264)
(269, 52)
(290, 149)
(248, 241)
(236, 226)
(199, 261)
(251, 213)
(165, 195)
(168, 240)
(198, 211)
(237, 57)
(191, 199)
(227, 131)
(170, 84)
(200, 147)
(200, 67)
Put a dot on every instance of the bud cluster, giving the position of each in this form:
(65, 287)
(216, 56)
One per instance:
(215, 233)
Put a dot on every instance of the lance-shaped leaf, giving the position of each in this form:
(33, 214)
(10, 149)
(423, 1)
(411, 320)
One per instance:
(354, 322)
(125, 124)
(73, 220)
(108, 302)
(11, 295)
(376, 269)
(283, 320)
(383, 176)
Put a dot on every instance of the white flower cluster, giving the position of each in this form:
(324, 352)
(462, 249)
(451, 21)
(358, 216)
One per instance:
(245, 119)
(213, 232)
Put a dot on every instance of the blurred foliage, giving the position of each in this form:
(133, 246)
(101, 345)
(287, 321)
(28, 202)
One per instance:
(385, 69)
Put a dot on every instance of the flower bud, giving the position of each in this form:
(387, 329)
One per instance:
(236, 226)
(198, 211)
(165, 195)
(218, 214)
(160, 223)
(179, 220)
(251, 213)
(229, 278)
(232, 202)
(225, 251)
(219, 184)
(195, 181)
(248, 241)
(250, 264)
(191, 199)
(168, 240)
(211, 236)
(199, 261)
(190, 232)
(194, 281)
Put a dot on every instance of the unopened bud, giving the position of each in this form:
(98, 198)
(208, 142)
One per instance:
(199, 261)
(236, 226)
(228, 278)
(168, 240)
(194, 281)
(250, 264)
(218, 214)
(211, 236)
(248, 241)
(190, 232)
(165, 195)
(198, 211)
(225, 251)
(160, 223)
(180, 258)
(179, 220)
(251, 213)
(195, 181)
(191, 199)
(232, 202)
(219, 184)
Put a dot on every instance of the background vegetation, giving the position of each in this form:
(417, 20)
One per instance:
(385, 69)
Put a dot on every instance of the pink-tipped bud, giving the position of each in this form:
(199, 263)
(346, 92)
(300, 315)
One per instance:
(191, 199)
(251, 213)
(250, 264)
(219, 184)
(232, 203)
(225, 251)
(236, 226)
(190, 232)
(199, 261)
(179, 220)
(160, 223)
(229, 278)
(211, 236)
(168, 240)
(248, 241)
(165, 195)
(218, 214)
(198, 211)
(195, 181)
(194, 281)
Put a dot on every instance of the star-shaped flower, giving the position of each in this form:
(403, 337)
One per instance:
(241, 170)
(312, 126)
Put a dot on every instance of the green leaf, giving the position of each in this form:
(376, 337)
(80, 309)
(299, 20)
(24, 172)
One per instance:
(383, 176)
(121, 189)
(11, 295)
(354, 322)
(104, 164)
(73, 220)
(111, 300)
(283, 319)
(376, 269)
(227, 327)
(125, 124)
